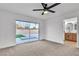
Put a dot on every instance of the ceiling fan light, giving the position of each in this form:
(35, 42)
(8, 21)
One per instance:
(45, 12)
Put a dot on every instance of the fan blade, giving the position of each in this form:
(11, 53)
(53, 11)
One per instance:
(51, 11)
(44, 5)
(42, 13)
(38, 9)
(53, 5)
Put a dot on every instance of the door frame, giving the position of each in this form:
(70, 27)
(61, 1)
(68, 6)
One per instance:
(29, 30)
(64, 31)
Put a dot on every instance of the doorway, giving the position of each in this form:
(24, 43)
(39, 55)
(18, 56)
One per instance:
(26, 31)
(70, 32)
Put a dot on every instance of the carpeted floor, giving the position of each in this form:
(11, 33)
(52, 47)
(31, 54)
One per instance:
(40, 48)
(70, 43)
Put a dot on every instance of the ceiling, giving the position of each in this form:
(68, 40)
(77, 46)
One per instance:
(26, 9)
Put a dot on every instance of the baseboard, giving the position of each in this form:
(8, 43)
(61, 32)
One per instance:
(11, 45)
(54, 41)
(43, 39)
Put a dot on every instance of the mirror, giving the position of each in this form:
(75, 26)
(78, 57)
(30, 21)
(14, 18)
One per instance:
(69, 27)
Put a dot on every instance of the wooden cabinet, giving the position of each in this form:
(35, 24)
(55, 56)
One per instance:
(71, 36)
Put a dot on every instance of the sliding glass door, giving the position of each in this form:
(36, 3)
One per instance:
(26, 31)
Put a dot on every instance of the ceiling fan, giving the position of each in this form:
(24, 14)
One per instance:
(46, 9)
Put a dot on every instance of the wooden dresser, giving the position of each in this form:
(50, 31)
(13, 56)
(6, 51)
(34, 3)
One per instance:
(71, 36)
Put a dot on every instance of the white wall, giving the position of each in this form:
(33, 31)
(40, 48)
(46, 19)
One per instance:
(55, 29)
(8, 27)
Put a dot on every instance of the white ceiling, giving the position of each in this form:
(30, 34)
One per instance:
(26, 9)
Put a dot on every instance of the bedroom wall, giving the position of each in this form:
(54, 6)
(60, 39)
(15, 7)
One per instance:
(8, 27)
(55, 28)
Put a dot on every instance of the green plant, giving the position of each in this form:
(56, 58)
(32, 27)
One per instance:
(19, 35)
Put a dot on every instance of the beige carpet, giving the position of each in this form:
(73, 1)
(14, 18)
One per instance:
(70, 43)
(40, 48)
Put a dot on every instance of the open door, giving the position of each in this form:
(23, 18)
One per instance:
(70, 32)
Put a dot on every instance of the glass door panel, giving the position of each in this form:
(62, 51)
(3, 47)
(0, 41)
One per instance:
(34, 31)
(22, 32)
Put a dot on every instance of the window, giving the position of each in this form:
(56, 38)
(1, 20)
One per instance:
(26, 31)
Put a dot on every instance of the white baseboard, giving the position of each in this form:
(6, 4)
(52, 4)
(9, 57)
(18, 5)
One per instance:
(55, 41)
(7, 46)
